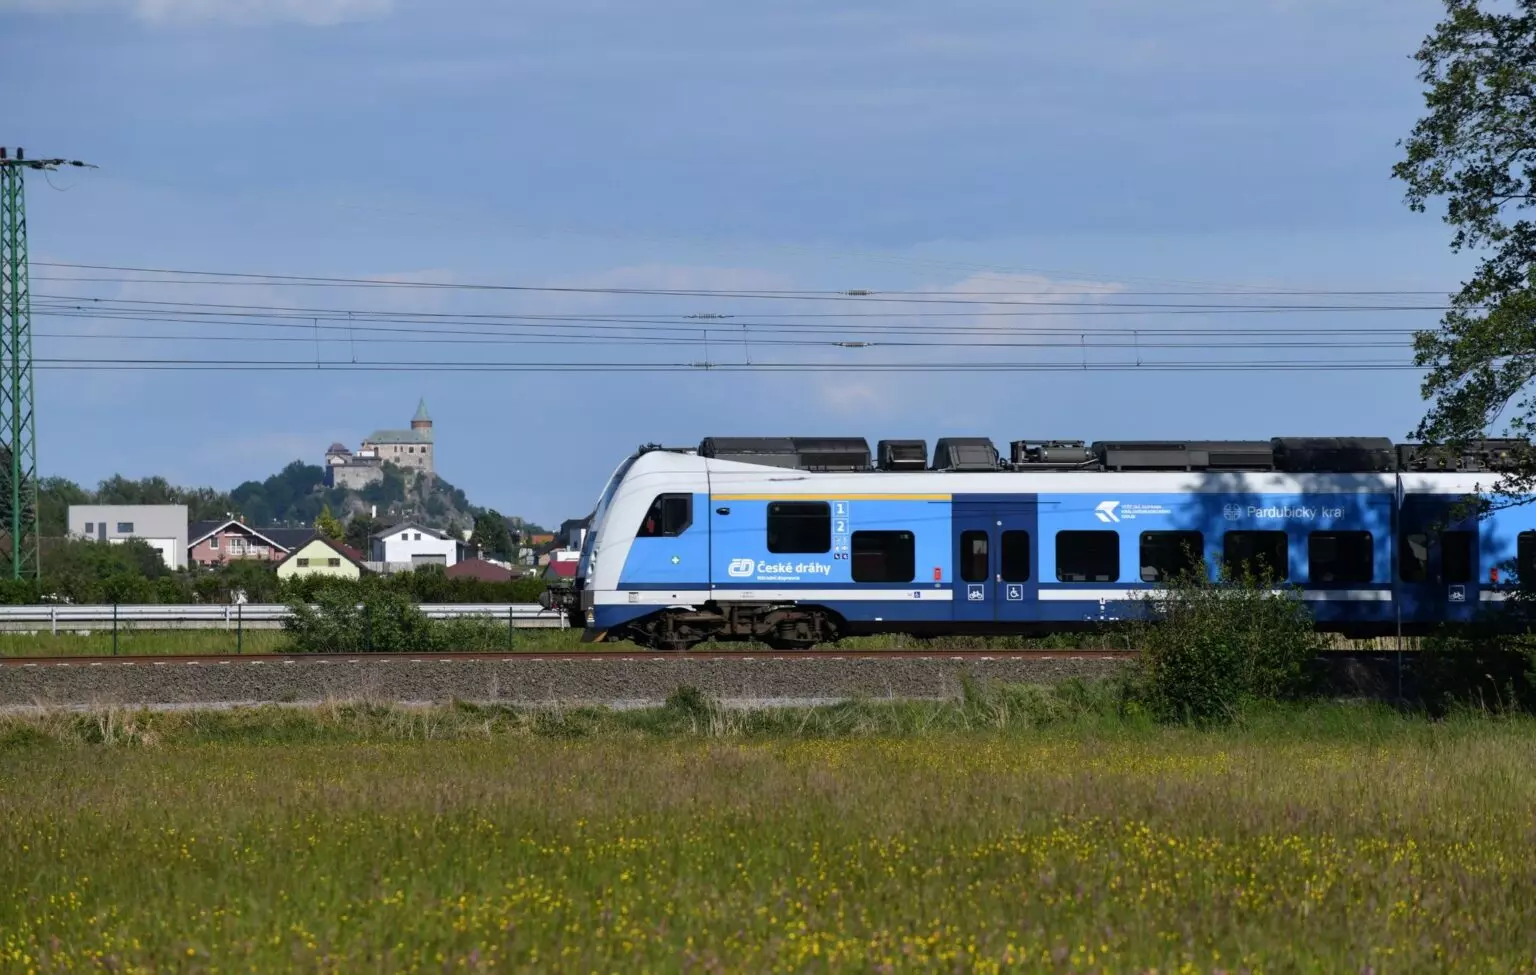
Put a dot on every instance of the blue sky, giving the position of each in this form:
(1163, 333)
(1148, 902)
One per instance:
(1079, 151)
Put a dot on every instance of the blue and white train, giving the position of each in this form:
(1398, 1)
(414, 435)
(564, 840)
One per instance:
(796, 542)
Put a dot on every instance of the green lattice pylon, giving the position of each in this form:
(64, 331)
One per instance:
(18, 428)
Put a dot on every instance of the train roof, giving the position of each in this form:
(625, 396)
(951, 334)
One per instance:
(727, 477)
(978, 455)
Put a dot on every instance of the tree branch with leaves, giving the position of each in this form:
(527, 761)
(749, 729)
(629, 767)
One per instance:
(1475, 148)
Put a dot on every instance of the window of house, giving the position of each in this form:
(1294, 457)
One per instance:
(1340, 558)
(1168, 554)
(1259, 552)
(236, 546)
(213, 542)
(1087, 556)
(303, 563)
(90, 528)
(973, 556)
(799, 526)
(1014, 557)
(881, 556)
(1458, 556)
(125, 528)
(333, 563)
(668, 516)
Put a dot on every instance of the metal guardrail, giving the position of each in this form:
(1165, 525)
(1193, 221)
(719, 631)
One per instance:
(57, 617)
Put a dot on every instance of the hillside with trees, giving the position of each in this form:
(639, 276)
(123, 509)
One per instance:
(294, 497)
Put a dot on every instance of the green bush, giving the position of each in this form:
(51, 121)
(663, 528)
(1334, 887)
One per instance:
(371, 617)
(1210, 647)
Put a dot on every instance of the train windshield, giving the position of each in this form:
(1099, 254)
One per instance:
(600, 513)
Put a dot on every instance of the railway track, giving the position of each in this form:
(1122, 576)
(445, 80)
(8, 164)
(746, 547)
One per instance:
(252, 659)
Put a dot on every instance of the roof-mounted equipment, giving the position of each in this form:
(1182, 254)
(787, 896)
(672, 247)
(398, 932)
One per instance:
(795, 453)
(902, 455)
(1185, 455)
(965, 454)
(1334, 455)
(1050, 454)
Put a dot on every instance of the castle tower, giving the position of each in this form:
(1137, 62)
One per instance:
(421, 421)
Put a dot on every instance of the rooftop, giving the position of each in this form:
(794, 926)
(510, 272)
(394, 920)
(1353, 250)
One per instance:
(421, 413)
(398, 436)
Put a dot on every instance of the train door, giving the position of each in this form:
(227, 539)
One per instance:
(994, 577)
(1438, 560)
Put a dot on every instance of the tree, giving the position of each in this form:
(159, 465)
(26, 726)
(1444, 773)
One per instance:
(360, 532)
(491, 535)
(1476, 148)
(328, 525)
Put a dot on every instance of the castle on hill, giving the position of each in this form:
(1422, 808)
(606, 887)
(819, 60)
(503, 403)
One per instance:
(410, 450)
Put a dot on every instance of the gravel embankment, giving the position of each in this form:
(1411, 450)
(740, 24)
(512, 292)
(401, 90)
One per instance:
(610, 682)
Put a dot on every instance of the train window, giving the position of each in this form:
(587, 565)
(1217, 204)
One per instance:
(1458, 557)
(1015, 556)
(669, 516)
(883, 557)
(1413, 557)
(1261, 553)
(973, 556)
(1525, 558)
(1167, 554)
(799, 526)
(1087, 556)
(1340, 558)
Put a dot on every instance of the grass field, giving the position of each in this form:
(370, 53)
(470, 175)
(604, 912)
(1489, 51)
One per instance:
(1031, 830)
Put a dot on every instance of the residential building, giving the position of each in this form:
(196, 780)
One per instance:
(162, 526)
(573, 532)
(562, 564)
(481, 569)
(408, 546)
(321, 557)
(212, 542)
(409, 449)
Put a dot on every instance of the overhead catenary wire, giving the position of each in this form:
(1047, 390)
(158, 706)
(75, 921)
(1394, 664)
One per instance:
(857, 294)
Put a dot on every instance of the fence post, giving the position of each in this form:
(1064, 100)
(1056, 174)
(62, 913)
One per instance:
(53, 619)
(114, 628)
(511, 628)
(239, 628)
(367, 627)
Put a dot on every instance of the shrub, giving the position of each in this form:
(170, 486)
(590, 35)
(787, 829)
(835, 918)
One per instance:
(375, 618)
(1208, 647)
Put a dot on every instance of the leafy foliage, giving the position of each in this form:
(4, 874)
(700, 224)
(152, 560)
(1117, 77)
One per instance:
(328, 526)
(375, 618)
(1210, 647)
(1476, 147)
(491, 535)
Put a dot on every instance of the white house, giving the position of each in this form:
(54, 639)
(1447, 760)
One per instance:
(408, 546)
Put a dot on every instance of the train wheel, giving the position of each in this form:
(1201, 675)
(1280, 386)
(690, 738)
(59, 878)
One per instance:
(797, 629)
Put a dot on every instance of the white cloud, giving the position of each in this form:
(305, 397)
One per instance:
(314, 13)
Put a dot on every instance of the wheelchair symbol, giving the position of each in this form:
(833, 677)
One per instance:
(1015, 593)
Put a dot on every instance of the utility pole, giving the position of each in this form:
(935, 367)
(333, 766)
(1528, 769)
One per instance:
(18, 426)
